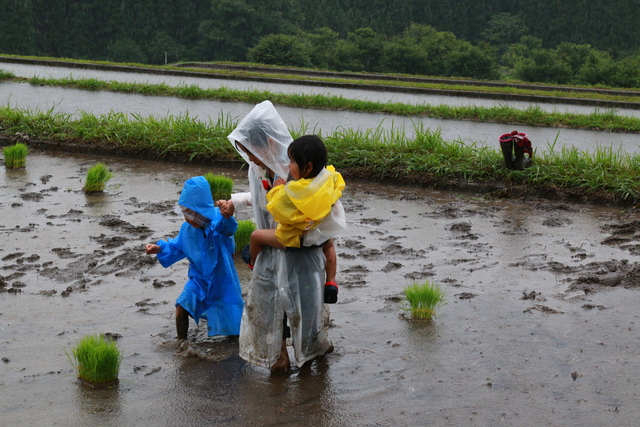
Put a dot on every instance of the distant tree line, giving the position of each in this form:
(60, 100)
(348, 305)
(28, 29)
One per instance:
(553, 41)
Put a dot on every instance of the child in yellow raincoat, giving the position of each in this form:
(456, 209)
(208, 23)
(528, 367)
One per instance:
(303, 203)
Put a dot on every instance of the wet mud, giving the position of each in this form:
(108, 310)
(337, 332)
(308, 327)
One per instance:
(539, 326)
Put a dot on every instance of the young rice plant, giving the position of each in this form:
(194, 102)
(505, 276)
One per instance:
(15, 156)
(424, 299)
(97, 177)
(242, 236)
(96, 360)
(221, 186)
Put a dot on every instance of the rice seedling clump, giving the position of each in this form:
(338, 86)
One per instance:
(15, 156)
(424, 299)
(96, 360)
(243, 234)
(97, 177)
(221, 186)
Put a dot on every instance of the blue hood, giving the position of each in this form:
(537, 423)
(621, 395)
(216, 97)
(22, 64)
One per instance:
(196, 195)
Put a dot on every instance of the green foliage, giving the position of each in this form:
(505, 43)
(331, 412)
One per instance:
(15, 156)
(127, 50)
(221, 186)
(368, 46)
(234, 26)
(571, 63)
(17, 28)
(472, 61)
(503, 30)
(96, 360)
(243, 234)
(402, 56)
(523, 49)
(322, 44)
(280, 49)
(423, 50)
(163, 44)
(97, 177)
(207, 30)
(627, 72)
(543, 66)
(424, 299)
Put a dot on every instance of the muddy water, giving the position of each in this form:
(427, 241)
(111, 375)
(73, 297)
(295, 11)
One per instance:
(540, 326)
(73, 102)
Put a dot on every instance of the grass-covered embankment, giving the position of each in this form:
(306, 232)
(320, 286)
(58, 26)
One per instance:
(604, 176)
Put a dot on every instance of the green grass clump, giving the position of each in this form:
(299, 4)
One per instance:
(221, 186)
(96, 360)
(424, 298)
(6, 75)
(97, 177)
(15, 156)
(242, 236)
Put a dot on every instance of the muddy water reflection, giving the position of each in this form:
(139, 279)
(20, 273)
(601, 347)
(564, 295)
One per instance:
(531, 334)
(73, 102)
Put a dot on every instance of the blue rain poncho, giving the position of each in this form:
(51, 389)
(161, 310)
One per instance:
(287, 281)
(213, 290)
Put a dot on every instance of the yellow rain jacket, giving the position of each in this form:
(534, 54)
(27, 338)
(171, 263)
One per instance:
(302, 205)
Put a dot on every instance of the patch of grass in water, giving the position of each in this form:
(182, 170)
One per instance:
(15, 156)
(96, 360)
(424, 299)
(97, 177)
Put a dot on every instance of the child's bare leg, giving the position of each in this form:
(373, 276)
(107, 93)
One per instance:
(182, 322)
(283, 364)
(260, 238)
(331, 266)
(330, 286)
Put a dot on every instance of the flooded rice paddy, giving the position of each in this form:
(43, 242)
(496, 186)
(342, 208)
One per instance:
(211, 82)
(541, 325)
(73, 101)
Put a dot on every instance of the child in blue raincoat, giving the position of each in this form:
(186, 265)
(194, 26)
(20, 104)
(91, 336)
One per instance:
(206, 239)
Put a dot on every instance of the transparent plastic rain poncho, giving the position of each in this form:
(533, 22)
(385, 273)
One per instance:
(212, 291)
(287, 281)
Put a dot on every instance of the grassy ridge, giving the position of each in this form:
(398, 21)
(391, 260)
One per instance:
(605, 175)
(605, 119)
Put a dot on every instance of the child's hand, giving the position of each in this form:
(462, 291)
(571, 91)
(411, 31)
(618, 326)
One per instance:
(279, 181)
(226, 208)
(152, 249)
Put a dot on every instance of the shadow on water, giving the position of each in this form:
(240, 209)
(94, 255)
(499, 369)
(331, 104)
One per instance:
(96, 402)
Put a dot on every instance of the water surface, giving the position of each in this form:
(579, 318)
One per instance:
(528, 337)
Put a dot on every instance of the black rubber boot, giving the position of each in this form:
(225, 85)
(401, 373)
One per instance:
(330, 293)
(519, 162)
(507, 152)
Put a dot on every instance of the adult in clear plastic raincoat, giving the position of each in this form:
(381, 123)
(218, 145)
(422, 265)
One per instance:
(206, 239)
(285, 281)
